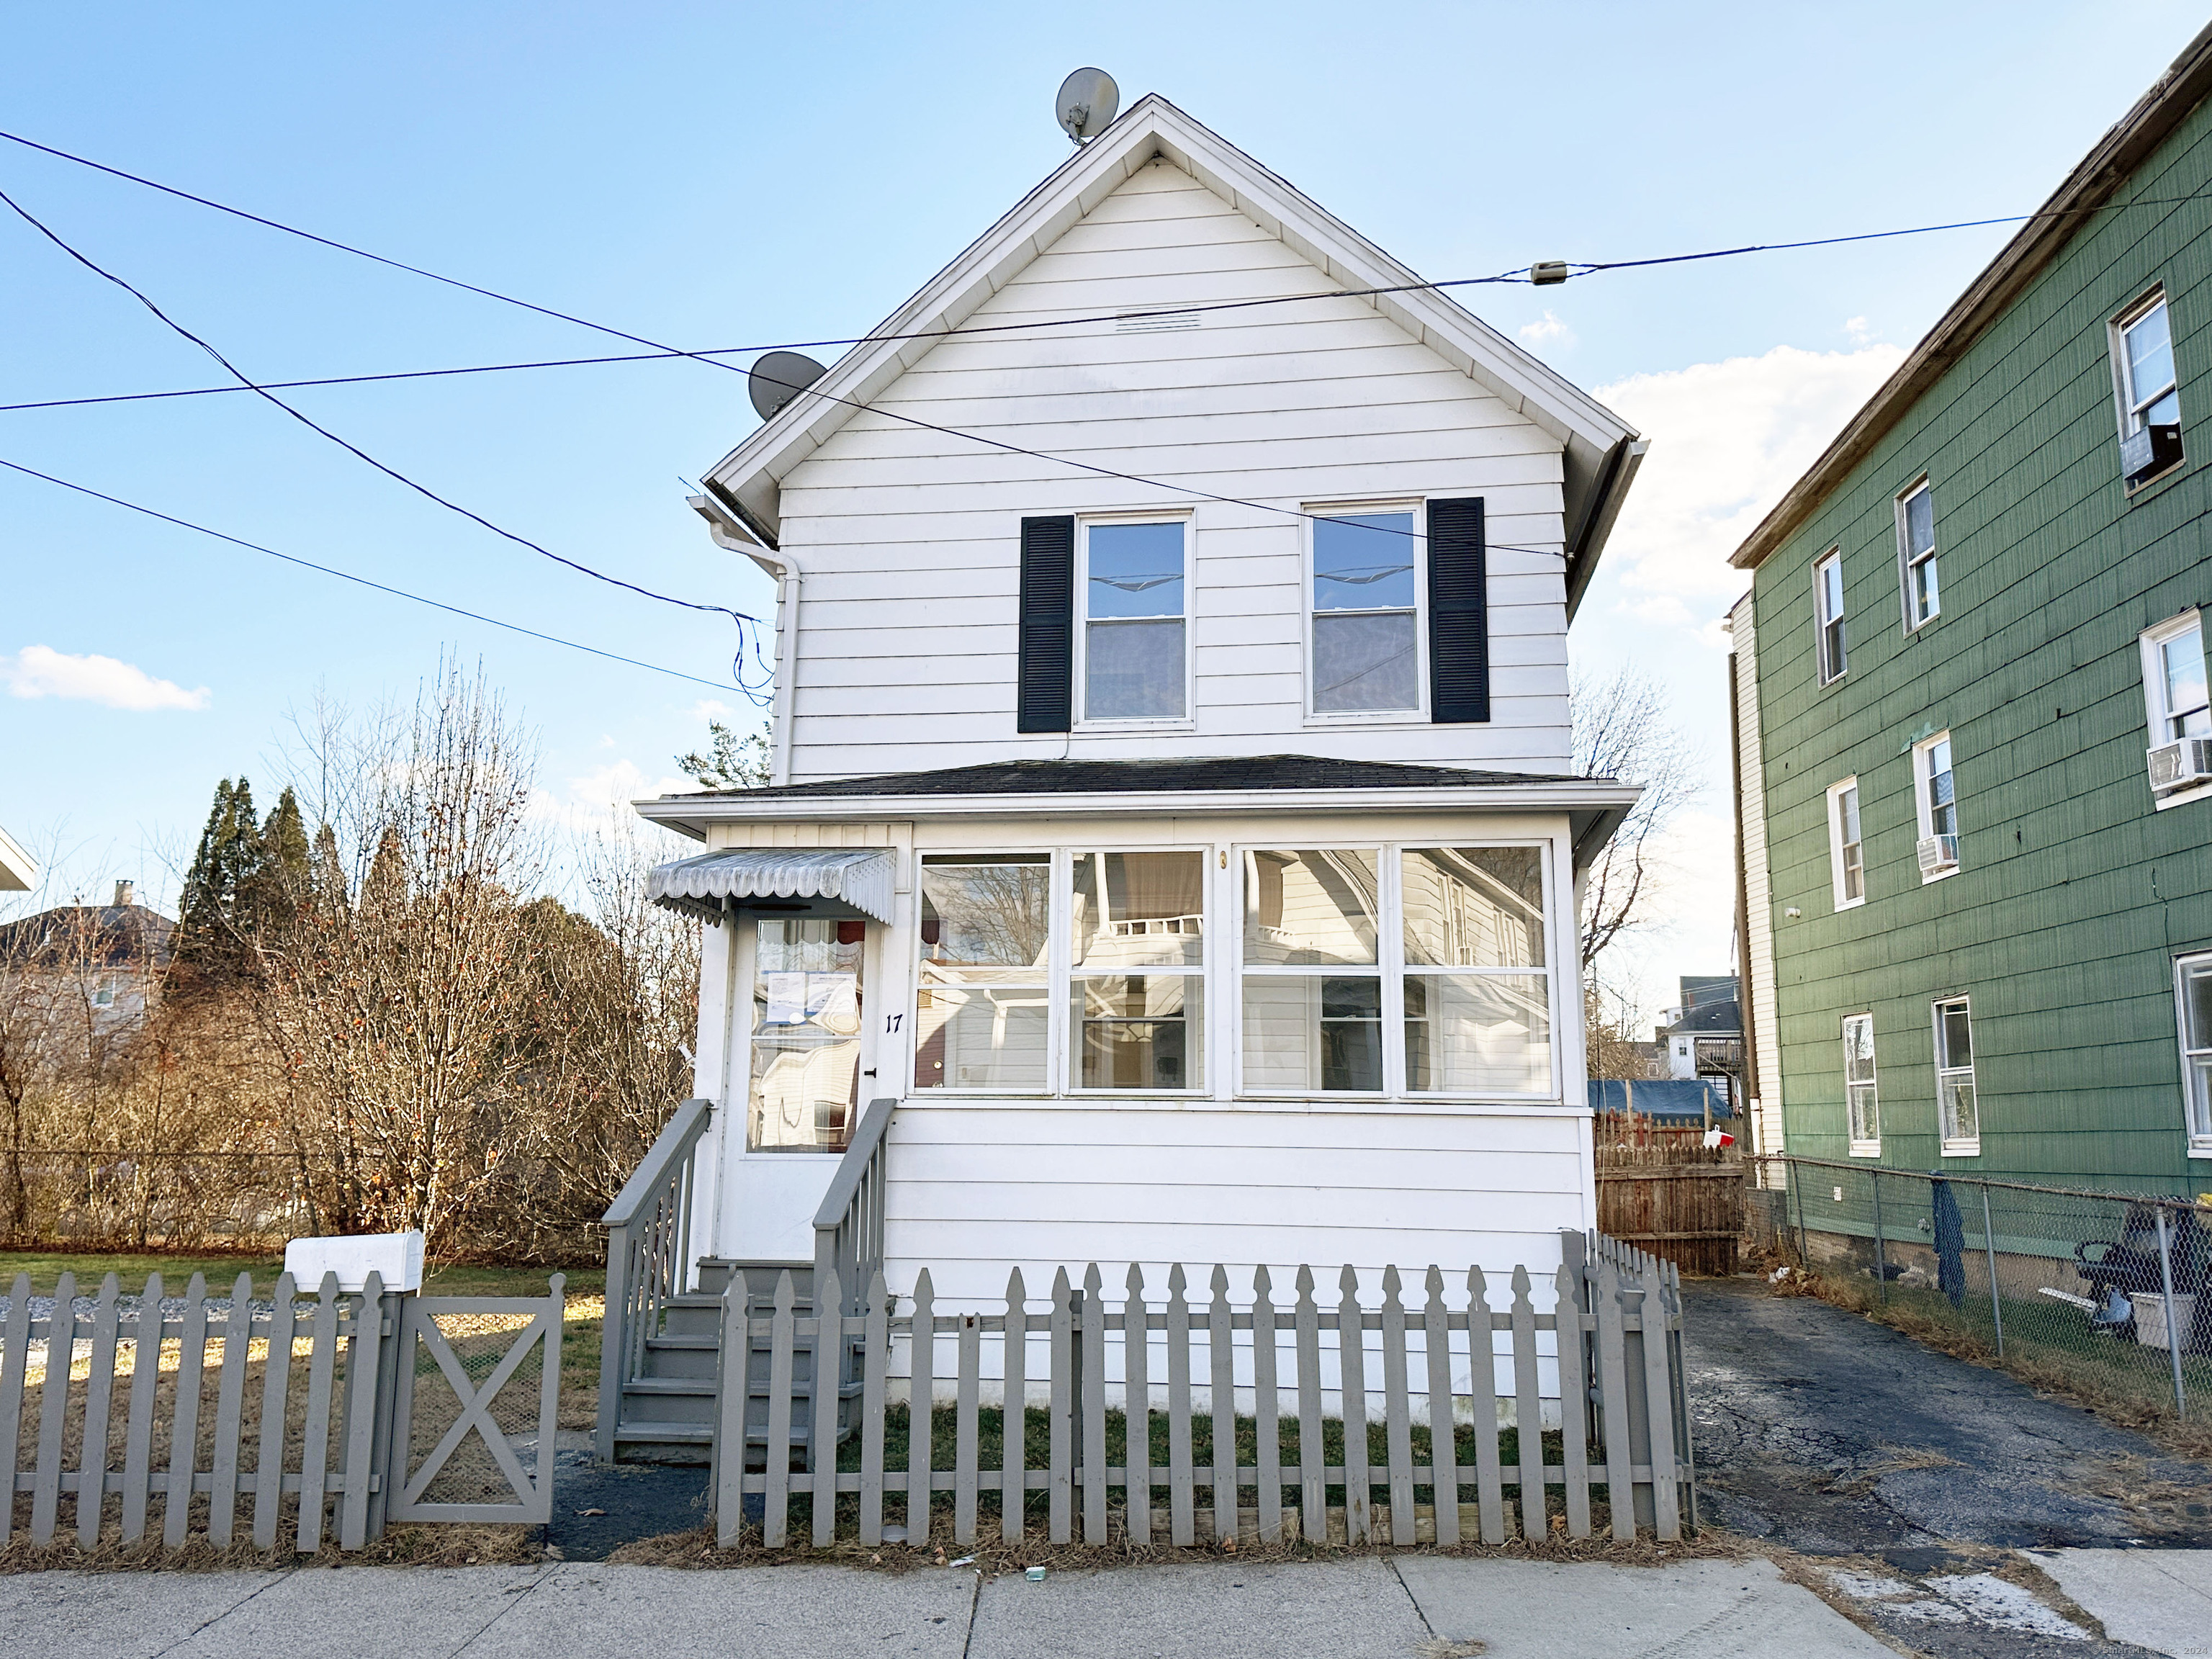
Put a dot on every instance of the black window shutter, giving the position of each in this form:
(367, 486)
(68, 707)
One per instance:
(1459, 613)
(1046, 694)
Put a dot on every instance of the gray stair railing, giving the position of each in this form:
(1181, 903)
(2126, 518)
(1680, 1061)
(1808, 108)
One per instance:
(848, 1227)
(648, 1258)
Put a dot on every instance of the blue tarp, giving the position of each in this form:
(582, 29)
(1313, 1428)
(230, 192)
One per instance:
(1668, 1100)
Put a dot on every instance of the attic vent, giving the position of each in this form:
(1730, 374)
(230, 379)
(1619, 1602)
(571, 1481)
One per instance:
(1156, 322)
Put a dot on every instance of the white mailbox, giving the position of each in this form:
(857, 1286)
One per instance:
(395, 1258)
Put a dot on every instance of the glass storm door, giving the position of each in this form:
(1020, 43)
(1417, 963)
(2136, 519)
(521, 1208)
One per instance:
(806, 1005)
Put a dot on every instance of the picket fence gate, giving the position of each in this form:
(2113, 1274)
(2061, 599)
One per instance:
(1615, 1317)
(346, 1381)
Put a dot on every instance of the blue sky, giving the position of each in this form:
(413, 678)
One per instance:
(722, 175)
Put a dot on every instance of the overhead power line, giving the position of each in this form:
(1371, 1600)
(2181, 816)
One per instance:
(247, 383)
(348, 576)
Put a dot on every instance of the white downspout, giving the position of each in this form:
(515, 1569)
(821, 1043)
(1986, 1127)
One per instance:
(734, 537)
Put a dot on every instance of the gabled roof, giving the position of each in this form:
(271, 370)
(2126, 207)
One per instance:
(1602, 450)
(2107, 166)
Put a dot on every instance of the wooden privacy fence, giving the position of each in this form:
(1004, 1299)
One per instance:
(1676, 1197)
(318, 1418)
(1611, 1320)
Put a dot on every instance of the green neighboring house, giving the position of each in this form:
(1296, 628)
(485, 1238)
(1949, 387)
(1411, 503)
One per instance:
(1976, 758)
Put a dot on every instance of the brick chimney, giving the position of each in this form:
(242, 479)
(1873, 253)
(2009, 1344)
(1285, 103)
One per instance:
(126, 894)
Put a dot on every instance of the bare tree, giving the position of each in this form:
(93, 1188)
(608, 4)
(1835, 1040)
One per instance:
(1623, 729)
(398, 996)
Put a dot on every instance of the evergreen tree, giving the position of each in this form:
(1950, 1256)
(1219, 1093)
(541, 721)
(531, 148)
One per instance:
(211, 928)
(278, 885)
(731, 762)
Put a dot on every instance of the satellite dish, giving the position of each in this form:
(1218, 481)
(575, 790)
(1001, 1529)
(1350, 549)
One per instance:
(1087, 102)
(779, 377)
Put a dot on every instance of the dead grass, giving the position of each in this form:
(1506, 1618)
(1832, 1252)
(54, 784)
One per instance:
(417, 1547)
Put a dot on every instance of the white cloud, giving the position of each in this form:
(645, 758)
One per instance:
(1727, 439)
(1547, 329)
(1861, 332)
(39, 671)
(707, 709)
(601, 797)
(1691, 926)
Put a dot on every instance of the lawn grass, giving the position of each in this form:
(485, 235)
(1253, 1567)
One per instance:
(584, 1297)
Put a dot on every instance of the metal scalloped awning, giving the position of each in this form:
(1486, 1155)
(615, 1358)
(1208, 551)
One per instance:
(860, 877)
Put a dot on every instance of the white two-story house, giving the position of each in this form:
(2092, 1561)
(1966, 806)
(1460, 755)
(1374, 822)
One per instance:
(1172, 810)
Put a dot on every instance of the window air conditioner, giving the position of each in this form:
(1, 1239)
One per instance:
(1938, 853)
(2150, 450)
(2178, 765)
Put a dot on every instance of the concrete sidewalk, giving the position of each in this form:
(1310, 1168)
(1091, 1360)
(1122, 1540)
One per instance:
(1366, 1609)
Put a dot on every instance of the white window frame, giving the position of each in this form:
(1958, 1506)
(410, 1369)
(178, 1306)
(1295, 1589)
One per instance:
(1922, 798)
(1390, 966)
(1828, 668)
(1870, 1146)
(1055, 975)
(1837, 870)
(1186, 721)
(1418, 714)
(1906, 563)
(2157, 714)
(1200, 1057)
(2130, 403)
(1956, 1146)
(2196, 1092)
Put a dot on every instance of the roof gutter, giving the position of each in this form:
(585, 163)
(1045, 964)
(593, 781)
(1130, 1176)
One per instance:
(1600, 509)
(2087, 188)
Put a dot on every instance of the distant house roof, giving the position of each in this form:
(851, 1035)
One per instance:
(1711, 1019)
(103, 935)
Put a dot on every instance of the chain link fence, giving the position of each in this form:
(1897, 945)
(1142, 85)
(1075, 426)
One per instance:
(2101, 1294)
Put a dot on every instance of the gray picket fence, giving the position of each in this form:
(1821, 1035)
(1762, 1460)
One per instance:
(1619, 1424)
(336, 1413)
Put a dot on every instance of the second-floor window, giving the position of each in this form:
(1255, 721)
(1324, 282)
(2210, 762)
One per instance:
(1958, 1114)
(1366, 615)
(2174, 681)
(2150, 394)
(1828, 616)
(1862, 1104)
(1915, 552)
(1937, 796)
(1134, 634)
(1846, 852)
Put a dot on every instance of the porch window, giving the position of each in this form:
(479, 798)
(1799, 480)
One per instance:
(1366, 648)
(1134, 655)
(1137, 962)
(805, 1035)
(1313, 978)
(1414, 970)
(1477, 998)
(984, 1003)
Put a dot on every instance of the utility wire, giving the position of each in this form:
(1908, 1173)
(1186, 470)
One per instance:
(347, 576)
(247, 383)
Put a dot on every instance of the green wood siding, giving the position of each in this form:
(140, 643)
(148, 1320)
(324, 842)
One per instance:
(2073, 895)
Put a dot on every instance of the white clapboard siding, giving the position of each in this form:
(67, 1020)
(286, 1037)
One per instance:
(1244, 1186)
(908, 538)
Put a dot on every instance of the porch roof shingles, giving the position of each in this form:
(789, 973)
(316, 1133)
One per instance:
(1099, 777)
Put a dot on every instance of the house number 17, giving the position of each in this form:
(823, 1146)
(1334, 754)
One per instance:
(891, 1022)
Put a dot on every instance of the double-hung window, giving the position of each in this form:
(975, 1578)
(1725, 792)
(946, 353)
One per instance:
(2150, 395)
(1365, 617)
(1136, 971)
(2174, 697)
(1957, 1116)
(1862, 1105)
(2193, 998)
(1846, 851)
(983, 1001)
(1828, 616)
(1935, 793)
(1135, 651)
(1916, 553)
(1413, 970)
